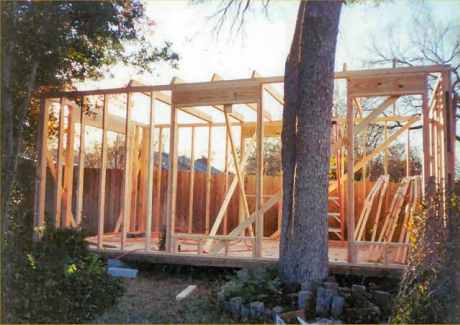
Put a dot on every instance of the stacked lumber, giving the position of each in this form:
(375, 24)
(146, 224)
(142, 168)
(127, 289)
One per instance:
(377, 191)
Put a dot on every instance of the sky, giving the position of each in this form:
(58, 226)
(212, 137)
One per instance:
(264, 42)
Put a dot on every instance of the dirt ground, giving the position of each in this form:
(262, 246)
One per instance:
(151, 298)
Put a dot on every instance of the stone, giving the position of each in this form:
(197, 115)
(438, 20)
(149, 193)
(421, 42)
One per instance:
(331, 278)
(304, 298)
(292, 298)
(383, 300)
(337, 304)
(235, 306)
(331, 286)
(358, 289)
(256, 309)
(277, 310)
(359, 295)
(363, 314)
(310, 285)
(244, 312)
(226, 306)
(323, 301)
(220, 297)
(268, 313)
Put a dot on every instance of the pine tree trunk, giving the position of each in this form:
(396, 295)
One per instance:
(308, 88)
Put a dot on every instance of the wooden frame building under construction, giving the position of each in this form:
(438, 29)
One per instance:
(138, 166)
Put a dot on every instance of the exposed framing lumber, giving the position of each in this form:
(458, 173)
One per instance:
(440, 121)
(167, 99)
(191, 182)
(426, 138)
(235, 115)
(40, 173)
(126, 174)
(81, 164)
(350, 188)
(101, 197)
(370, 118)
(226, 149)
(379, 208)
(208, 182)
(397, 72)
(247, 222)
(68, 174)
(60, 163)
(377, 150)
(270, 90)
(158, 215)
(238, 180)
(151, 164)
(172, 182)
(259, 175)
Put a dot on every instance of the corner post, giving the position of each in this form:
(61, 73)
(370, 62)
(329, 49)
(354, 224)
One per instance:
(101, 196)
(350, 176)
(259, 174)
(40, 178)
(150, 162)
(172, 182)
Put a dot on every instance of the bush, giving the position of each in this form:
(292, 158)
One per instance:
(260, 283)
(59, 280)
(428, 291)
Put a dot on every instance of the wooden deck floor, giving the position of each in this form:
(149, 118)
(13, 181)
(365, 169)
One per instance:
(239, 254)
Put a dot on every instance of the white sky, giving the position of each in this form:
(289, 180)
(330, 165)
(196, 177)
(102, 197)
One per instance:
(266, 39)
(265, 42)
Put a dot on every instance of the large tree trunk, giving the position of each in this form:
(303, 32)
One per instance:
(308, 88)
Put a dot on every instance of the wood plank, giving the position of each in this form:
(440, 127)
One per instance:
(377, 151)
(81, 164)
(270, 90)
(172, 182)
(238, 231)
(60, 162)
(236, 115)
(426, 138)
(101, 196)
(238, 180)
(208, 182)
(126, 174)
(192, 181)
(379, 208)
(350, 188)
(205, 96)
(151, 164)
(386, 86)
(370, 118)
(68, 174)
(40, 184)
(259, 175)
(158, 215)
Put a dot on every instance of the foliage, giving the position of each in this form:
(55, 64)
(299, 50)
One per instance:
(427, 290)
(261, 283)
(59, 280)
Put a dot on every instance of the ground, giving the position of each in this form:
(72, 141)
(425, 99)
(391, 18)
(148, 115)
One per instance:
(151, 298)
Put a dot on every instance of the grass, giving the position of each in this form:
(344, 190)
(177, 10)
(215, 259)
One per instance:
(151, 298)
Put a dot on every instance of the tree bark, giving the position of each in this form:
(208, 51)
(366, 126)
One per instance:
(308, 88)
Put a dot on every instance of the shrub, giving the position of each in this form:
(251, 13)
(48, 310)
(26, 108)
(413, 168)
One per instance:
(427, 290)
(260, 283)
(59, 280)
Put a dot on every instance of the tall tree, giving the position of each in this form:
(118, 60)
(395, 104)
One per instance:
(307, 115)
(49, 44)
